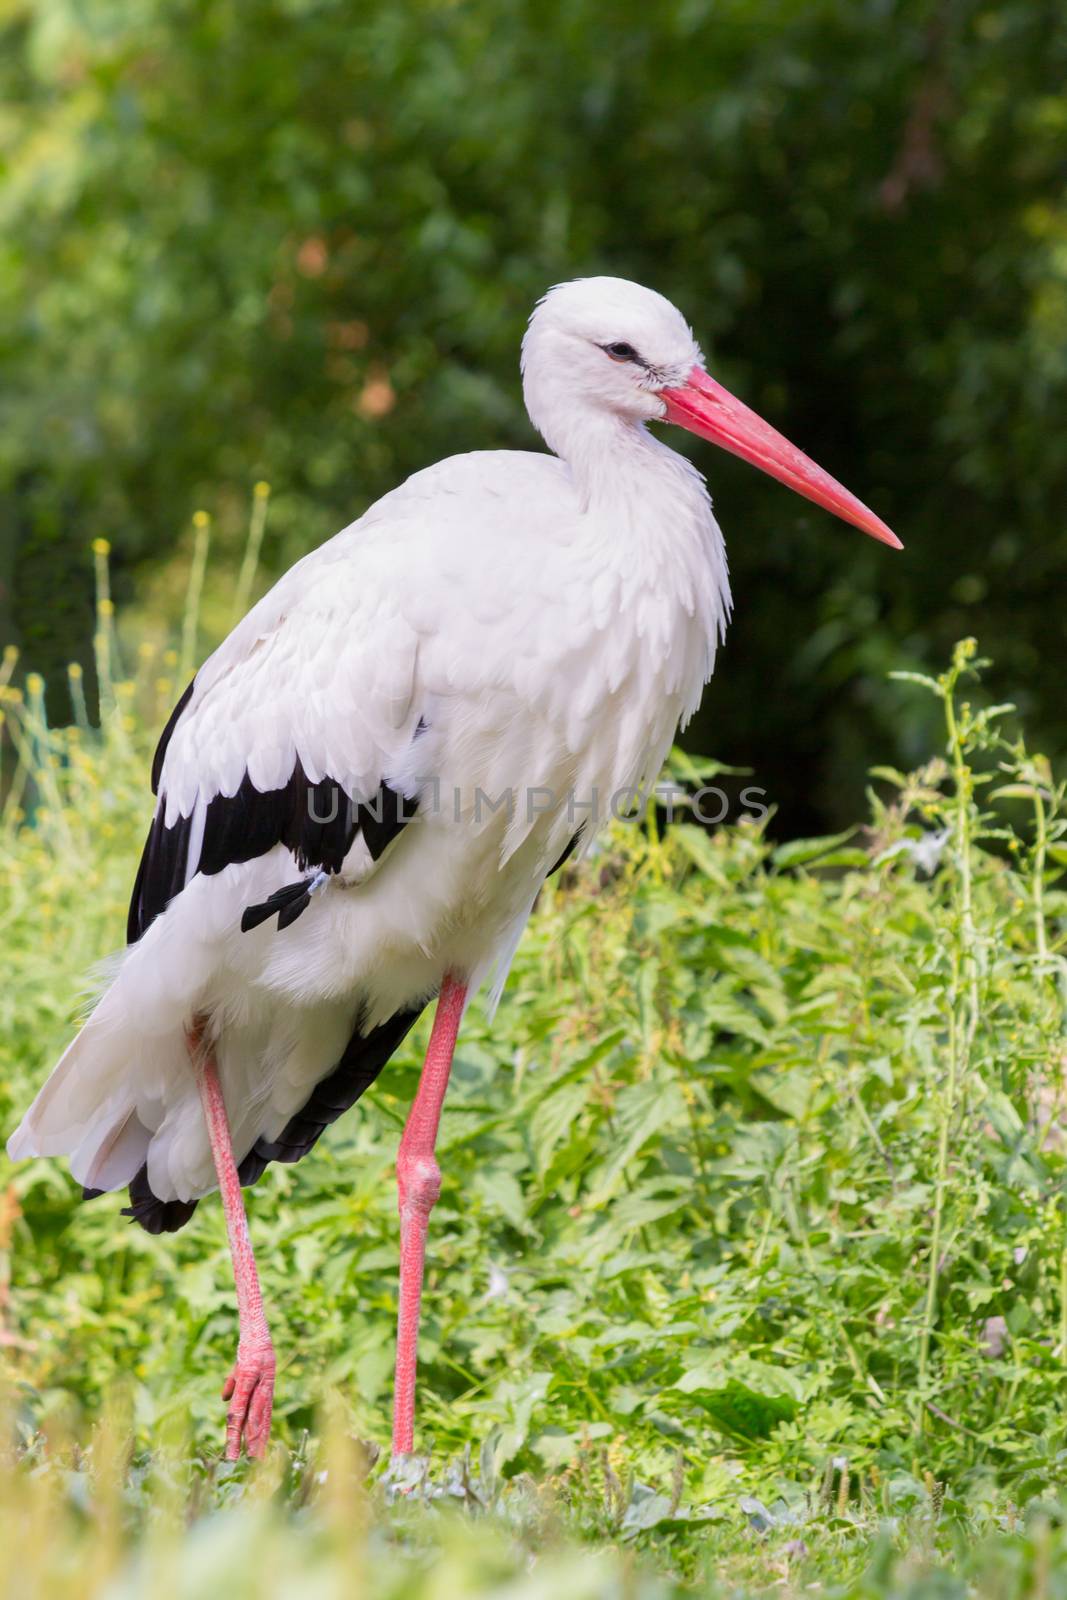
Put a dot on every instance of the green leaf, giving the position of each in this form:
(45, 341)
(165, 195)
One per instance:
(501, 1192)
(798, 852)
(745, 1412)
(728, 1015)
(698, 847)
(554, 1118)
(787, 1091)
(845, 858)
(1014, 791)
(920, 678)
(641, 1110)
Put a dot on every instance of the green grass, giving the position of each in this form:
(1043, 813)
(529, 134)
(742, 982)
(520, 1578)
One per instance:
(750, 1265)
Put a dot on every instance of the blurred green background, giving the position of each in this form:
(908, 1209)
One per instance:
(298, 239)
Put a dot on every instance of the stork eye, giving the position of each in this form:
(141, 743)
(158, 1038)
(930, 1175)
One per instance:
(621, 352)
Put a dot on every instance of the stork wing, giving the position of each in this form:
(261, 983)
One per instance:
(294, 732)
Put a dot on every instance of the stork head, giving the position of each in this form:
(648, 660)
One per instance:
(606, 348)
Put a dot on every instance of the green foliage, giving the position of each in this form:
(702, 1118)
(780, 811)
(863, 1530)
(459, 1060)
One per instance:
(752, 1231)
(86, 1523)
(297, 239)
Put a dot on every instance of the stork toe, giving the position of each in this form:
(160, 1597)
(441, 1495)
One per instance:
(250, 1391)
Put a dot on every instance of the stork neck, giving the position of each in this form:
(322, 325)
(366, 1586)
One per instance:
(608, 456)
(649, 515)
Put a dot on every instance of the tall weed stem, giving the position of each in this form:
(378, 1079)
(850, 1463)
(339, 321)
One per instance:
(963, 1011)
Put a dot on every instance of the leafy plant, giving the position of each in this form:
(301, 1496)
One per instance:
(753, 1226)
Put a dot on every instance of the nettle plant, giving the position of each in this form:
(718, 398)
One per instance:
(1000, 978)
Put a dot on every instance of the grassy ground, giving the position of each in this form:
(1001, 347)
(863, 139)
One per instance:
(750, 1266)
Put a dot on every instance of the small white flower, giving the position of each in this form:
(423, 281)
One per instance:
(498, 1282)
(926, 852)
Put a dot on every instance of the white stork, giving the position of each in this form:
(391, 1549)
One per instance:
(363, 789)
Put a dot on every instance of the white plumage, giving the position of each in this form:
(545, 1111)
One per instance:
(502, 622)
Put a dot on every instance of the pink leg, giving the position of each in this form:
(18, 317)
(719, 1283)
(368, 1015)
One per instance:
(418, 1179)
(250, 1386)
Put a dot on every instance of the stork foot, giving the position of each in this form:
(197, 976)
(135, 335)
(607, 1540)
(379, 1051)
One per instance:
(250, 1391)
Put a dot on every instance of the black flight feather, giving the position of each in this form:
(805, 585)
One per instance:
(565, 857)
(288, 914)
(165, 736)
(278, 901)
(317, 822)
(380, 820)
(151, 1214)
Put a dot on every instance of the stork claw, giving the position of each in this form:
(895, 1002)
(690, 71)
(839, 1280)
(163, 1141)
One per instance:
(250, 1391)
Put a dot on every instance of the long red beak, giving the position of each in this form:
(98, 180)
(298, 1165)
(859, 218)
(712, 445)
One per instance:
(706, 408)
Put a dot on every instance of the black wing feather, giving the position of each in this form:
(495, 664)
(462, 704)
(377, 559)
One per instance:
(572, 846)
(318, 822)
(165, 736)
(153, 1215)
